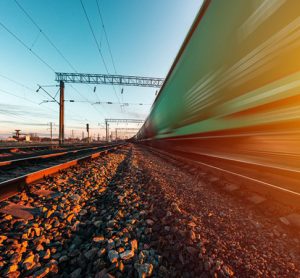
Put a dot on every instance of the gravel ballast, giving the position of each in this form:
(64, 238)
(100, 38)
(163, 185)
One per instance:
(132, 214)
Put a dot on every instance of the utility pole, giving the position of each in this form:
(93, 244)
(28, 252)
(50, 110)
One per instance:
(106, 129)
(88, 131)
(61, 112)
(82, 135)
(18, 134)
(51, 132)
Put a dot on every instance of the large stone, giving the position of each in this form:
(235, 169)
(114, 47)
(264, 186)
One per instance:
(76, 273)
(98, 223)
(98, 239)
(175, 207)
(101, 274)
(113, 256)
(228, 271)
(134, 245)
(42, 272)
(149, 222)
(90, 254)
(16, 258)
(128, 254)
(47, 193)
(111, 223)
(47, 254)
(110, 244)
(12, 268)
(144, 270)
(70, 218)
(294, 219)
(2, 238)
(256, 199)
(48, 213)
(231, 187)
(64, 258)
(101, 252)
(53, 266)
(20, 211)
(284, 220)
(29, 262)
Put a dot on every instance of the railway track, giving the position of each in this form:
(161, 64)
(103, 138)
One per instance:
(130, 213)
(274, 183)
(14, 152)
(43, 157)
(28, 170)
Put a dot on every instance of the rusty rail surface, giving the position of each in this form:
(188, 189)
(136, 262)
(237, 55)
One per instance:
(239, 174)
(45, 156)
(11, 187)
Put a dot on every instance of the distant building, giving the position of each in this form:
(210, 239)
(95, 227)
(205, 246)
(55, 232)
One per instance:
(10, 139)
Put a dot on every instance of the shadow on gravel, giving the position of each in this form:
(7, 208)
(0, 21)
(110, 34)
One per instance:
(172, 232)
(195, 238)
(97, 232)
(131, 229)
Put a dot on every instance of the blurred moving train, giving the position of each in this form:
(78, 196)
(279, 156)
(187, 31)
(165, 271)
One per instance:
(233, 92)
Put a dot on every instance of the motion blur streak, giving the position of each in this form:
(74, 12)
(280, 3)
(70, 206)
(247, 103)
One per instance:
(232, 96)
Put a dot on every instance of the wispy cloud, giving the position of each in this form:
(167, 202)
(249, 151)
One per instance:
(18, 110)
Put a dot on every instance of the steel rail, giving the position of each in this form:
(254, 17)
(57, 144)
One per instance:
(44, 156)
(267, 189)
(22, 148)
(4, 146)
(10, 187)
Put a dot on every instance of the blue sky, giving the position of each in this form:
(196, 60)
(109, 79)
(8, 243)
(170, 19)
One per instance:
(144, 35)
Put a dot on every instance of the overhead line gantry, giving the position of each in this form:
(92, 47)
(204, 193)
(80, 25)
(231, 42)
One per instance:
(107, 121)
(109, 79)
(100, 79)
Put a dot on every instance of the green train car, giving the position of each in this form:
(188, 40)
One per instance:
(233, 90)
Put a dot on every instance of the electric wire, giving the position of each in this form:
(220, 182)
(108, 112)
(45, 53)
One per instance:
(50, 41)
(16, 82)
(23, 98)
(17, 96)
(45, 36)
(85, 98)
(60, 53)
(94, 36)
(98, 47)
(37, 56)
(106, 37)
(27, 47)
(107, 41)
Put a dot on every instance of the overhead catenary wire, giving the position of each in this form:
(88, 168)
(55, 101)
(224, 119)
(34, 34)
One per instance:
(123, 103)
(12, 94)
(27, 47)
(28, 100)
(107, 41)
(94, 36)
(17, 82)
(31, 90)
(52, 44)
(85, 98)
(45, 35)
(108, 44)
(49, 40)
(106, 37)
(63, 56)
(97, 44)
(20, 97)
(37, 56)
